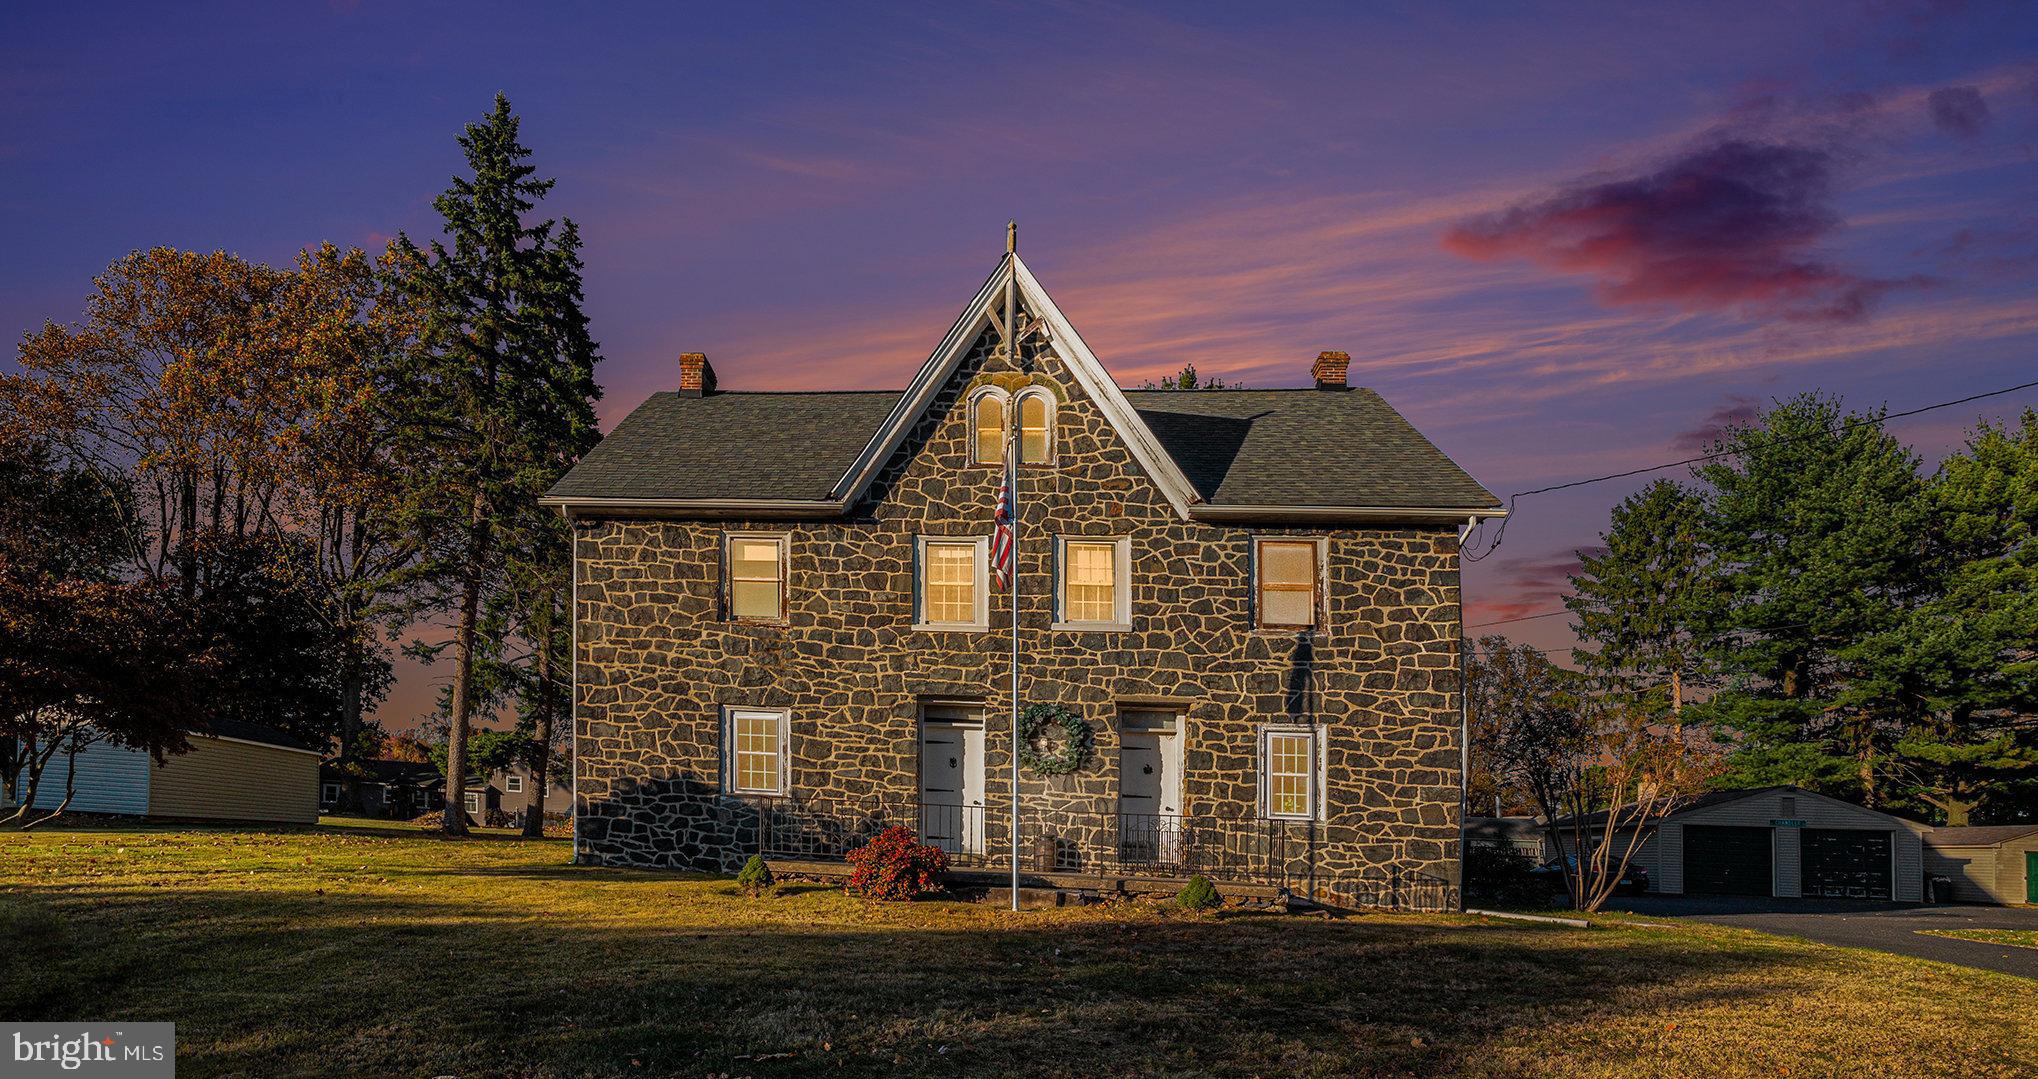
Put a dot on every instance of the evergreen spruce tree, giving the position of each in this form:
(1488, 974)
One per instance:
(1968, 654)
(1644, 603)
(1815, 525)
(501, 390)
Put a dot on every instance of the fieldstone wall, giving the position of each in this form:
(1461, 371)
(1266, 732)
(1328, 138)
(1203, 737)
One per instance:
(657, 661)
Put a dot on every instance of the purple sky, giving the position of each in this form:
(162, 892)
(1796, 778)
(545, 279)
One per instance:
(1564, 242)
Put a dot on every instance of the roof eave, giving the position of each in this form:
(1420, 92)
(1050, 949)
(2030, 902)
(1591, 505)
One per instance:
(787, 508)
(1206, 511)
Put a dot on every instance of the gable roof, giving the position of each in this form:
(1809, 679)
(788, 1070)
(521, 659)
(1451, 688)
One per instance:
(727, 446)
(1303, 448)
(243, 731)
(1978, 836)
(1067, 343)
(1215, 454)
(1695, 802)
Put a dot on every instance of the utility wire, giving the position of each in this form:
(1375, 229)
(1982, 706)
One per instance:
(1500, 533)
(1523, 618)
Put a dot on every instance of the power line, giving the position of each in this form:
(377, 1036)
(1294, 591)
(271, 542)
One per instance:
(1523, 618)
(1500, 533)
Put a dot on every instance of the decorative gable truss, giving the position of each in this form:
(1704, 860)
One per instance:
(985, 311)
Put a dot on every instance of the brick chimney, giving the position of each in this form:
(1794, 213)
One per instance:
(696, 375)
(1329, 370)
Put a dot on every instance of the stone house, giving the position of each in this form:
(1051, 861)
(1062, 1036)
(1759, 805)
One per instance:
(1246, 602)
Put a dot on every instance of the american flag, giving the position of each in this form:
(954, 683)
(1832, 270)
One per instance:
(1001, 540)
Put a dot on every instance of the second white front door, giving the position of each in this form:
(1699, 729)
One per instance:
(952, 785)
(1150, 795)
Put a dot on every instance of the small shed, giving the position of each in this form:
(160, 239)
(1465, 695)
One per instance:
(1994, 864)
(234, 771)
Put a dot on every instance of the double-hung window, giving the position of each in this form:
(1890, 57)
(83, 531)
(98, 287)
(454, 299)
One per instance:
(1093, 582)
(755, 577)
(1287, 589)
(756, 742)
(512, 783)
(1291, 769)
(952, 578)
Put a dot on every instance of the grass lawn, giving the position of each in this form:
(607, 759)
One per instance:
(2019, 938)
(354, 951)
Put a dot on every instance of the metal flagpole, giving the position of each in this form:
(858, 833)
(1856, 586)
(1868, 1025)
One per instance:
(1012, 492)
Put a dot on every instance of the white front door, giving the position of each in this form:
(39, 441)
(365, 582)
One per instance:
(1150, 795)
(952, 786)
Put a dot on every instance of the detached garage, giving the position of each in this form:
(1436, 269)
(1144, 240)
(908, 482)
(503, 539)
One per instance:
(1785, 842)
(1986, 865)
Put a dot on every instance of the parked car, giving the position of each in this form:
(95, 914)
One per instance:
(1633, 881)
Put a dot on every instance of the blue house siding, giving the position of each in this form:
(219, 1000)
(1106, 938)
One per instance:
(111, 779)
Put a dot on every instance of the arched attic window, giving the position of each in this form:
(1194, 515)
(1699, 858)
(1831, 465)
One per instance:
(1036, 427)
(987, 427)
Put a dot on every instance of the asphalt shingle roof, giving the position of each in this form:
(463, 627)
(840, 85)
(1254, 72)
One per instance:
(1303, 448)
(1978, 836)
(1237, 447)
(731, 445)
(251, 732)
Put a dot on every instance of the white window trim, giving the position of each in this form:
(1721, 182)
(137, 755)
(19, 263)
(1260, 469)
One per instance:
(785, 582)
(1018, 420)
(785, 742)
(1005, 418)
(1121, 591)
(1322, 597)
(1316, 772)
(330, 791)
(980, 620)
(471, 801)
(512, 783)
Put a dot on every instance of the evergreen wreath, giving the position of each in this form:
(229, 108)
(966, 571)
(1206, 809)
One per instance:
(1076, 742)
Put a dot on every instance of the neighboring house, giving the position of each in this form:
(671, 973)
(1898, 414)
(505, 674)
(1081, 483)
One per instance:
(405, 790)
(236, 771)
(1997, 864)
(787, 634)
(1523, 835)
(1781, 842)
(509, 791)
(399, 790)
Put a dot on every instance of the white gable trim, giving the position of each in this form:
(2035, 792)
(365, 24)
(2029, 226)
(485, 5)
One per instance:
(1098, 384)
(1082, 363)
(919, 394)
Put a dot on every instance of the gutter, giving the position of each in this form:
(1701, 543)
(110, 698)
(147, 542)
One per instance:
(577, 506)
(1352, 514)
(581, 506)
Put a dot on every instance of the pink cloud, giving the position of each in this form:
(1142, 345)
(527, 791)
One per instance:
(1730, 224)
(1738, 410)
(1958, 110)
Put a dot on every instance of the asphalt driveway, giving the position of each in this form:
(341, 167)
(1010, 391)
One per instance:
(1885, 927)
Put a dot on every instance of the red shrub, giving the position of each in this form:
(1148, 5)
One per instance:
(896, 865)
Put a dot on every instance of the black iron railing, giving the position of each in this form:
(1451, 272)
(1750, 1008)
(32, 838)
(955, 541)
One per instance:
(1239, 847)
(1382, 889)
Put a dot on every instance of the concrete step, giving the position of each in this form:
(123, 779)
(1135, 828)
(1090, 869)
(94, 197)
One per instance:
(1032, 898)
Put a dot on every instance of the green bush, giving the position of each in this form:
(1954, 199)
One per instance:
(755, 876)
(1198, 894)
